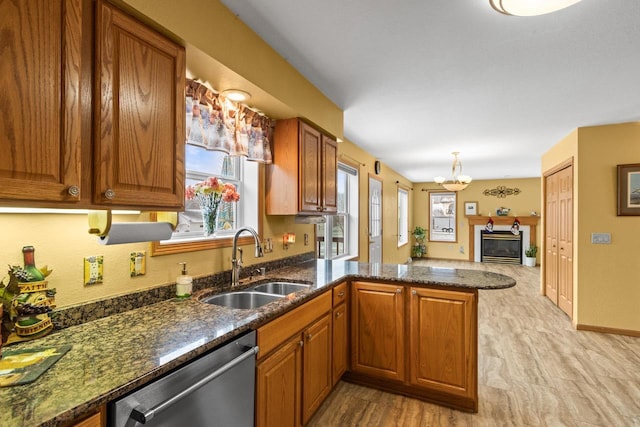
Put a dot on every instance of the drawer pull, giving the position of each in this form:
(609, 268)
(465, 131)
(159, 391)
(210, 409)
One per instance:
(414, 292)
(341, 293)
(74, 191)
(338, 314)
(398, 291)
(309, 336)
(109, 194)
(301, 343)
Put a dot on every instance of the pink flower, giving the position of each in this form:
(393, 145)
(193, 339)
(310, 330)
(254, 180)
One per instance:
(190, 193)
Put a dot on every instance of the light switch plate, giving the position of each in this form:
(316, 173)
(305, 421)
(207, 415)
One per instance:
(137, 264)
(601, 238)
(93, 269)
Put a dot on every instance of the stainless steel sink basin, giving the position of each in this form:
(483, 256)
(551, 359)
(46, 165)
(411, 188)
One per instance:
(280, 288)
(241, 300)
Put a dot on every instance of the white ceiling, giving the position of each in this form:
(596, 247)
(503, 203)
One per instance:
(418, 79)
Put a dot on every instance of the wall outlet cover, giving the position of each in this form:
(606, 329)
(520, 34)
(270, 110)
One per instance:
(93, 268)
(137, 263)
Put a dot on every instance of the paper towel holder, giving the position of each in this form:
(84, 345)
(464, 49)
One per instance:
(100, 221)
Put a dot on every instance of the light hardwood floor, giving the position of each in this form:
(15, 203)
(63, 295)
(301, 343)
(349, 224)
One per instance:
(535, 369)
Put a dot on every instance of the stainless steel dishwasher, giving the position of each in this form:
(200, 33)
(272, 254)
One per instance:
(218, 389)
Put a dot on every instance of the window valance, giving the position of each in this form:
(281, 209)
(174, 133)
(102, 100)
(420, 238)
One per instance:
(217, 123)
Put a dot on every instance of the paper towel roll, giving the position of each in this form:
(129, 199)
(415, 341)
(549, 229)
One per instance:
(131, 232)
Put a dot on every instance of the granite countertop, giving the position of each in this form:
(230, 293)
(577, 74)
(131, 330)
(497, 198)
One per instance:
(116, 354)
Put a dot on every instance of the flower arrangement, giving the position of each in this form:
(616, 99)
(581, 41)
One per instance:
(209, 194)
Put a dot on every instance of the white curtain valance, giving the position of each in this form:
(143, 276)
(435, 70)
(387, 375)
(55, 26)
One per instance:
(217, 123)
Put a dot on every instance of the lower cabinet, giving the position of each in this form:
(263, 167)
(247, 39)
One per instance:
(377, 330)
(340, 342)
(294, 376)
(278, 383)
(443, 344)
(416, 341)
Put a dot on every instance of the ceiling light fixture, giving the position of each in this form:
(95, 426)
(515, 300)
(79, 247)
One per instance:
(236, 95)
(530, 7)
(459, 182)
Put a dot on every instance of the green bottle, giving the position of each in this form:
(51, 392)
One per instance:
(30, 264)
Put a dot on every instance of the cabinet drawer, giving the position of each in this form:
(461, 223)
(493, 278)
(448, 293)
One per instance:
(278, 330)
(339, 294)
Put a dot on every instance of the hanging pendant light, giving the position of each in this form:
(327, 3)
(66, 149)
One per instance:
(459, 181)
(530, 7)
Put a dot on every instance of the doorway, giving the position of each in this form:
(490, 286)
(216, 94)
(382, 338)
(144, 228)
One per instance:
(375, 220)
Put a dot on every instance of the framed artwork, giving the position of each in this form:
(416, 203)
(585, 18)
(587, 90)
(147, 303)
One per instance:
(470, 208)
(629, 189)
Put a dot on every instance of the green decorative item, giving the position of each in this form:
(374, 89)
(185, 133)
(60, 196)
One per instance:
(530, 256)
(419, 248)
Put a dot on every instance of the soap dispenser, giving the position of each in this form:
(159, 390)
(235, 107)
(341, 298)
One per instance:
(184, 283)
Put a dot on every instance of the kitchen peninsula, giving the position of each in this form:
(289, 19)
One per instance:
(117, 354)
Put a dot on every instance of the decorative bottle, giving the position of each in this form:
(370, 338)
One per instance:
(30, 264)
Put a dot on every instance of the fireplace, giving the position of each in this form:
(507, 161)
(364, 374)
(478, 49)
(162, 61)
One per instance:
(501, 247)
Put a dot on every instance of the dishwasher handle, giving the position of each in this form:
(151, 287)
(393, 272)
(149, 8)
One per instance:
(143, 415)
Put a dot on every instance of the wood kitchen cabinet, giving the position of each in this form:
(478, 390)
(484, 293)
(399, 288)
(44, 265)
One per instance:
(303, 176)
(139, 114)
(41, 89)
(56, 86)
(443, 344)
(378, 330)
(340, 332)
(433, 357)
(294, 364)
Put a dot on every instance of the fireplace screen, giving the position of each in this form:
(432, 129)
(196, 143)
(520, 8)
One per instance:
(501, 247)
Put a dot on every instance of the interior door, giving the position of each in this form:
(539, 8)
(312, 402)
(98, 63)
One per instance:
(375, 220)
(565, 240)
(551, 238)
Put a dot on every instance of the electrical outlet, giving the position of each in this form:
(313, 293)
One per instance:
(267, 246)
(306, 239)
(137, 263)
(93, 269)
(461, 249)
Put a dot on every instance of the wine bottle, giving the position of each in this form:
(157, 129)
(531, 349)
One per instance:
(30, 264)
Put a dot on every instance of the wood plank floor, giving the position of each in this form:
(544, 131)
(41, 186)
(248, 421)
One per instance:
(535, 369)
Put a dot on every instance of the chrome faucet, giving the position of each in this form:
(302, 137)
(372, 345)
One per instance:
(236, 263)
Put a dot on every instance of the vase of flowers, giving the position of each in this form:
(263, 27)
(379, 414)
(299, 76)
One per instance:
(209, 194)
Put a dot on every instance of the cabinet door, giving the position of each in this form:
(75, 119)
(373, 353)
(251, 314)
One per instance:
(443, 341)
(40, 105)
(278, 382)
(329, 175)
(316, 374)
(377, 327)
(139, 115)
(340, 341)
(309, 169)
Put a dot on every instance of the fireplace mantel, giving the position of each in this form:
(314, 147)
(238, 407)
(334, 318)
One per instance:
(531, 221)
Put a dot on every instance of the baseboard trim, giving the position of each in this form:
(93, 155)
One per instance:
(605, 330)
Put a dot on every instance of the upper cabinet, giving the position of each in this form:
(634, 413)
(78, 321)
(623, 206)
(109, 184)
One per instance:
(55, 87)
(40, 107)
(139, 115)
(302, 178)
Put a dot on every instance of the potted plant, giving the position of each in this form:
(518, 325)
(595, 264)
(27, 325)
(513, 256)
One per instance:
(530, 256)
(419, 248)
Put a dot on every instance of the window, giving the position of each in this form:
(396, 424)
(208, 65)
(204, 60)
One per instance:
(338, 236)
(201, 164)
(403, 217)
(442, 212)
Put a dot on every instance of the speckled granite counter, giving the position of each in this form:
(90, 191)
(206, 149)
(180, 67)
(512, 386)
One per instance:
(116, 354)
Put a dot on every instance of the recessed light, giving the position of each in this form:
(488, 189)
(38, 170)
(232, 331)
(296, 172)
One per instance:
(236, 95)
(530, 8)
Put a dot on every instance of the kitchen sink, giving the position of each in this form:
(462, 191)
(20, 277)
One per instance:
(280, 288)
(241, 300)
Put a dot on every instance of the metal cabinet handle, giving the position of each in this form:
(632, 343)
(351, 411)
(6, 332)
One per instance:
(109, 194)
(341, 293)
(301, 343)
(309, 336)
(319, 208)
(414, 292)
(398, 291)
(74, 191)
(338, 314)
(143, 415)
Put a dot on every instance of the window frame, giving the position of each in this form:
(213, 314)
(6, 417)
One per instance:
(433, 230)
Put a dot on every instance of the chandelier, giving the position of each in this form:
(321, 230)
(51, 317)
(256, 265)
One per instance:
(529, 7)
(459, 181)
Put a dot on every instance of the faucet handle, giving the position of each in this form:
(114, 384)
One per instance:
(259, 251)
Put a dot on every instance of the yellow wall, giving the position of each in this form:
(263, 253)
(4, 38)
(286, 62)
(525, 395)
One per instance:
(521, 205)
(608, 291)
(223, 51)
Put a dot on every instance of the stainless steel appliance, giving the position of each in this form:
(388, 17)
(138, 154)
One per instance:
(217, 389)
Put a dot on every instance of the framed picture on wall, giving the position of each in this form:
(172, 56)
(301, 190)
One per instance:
(470, 208)
(629, 189)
